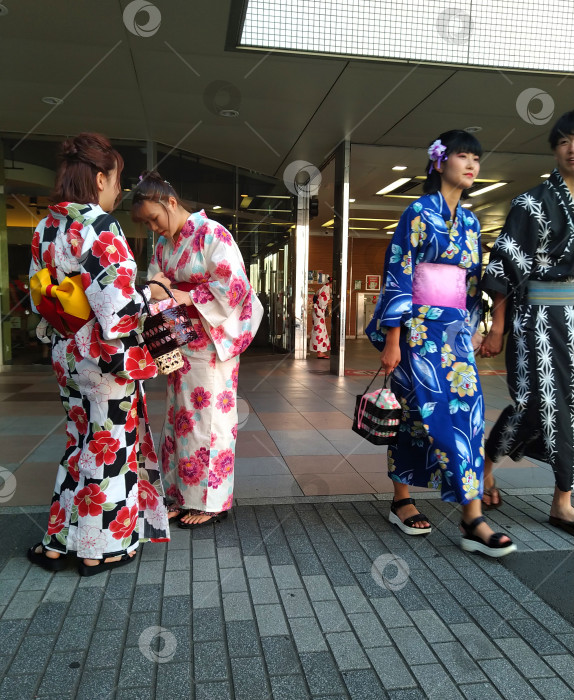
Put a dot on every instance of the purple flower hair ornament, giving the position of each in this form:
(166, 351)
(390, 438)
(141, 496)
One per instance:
(436, 152)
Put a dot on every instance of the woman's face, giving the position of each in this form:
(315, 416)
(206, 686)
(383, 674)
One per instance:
(159, 218)
(460, 170)
(108, 188)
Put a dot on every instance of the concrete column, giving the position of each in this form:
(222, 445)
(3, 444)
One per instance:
(151, 157)
(5, 329)
(340, 257)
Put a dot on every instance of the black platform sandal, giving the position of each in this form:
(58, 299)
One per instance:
(408, 525)
(40, 559)
(492, 548)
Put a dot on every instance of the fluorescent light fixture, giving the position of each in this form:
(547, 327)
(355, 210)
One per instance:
(399, 167)
(467, 206)
(545, 175)
(392, 226)
(352, 201)
(357, 218)
(273, 196)
(362, 228)
(216, 207)
(404, 196)
(394, 185)
(488, 188)
(329, 223)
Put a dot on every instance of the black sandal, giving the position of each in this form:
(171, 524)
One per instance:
(492, 548)
(40, 559)
(407, 526)
(85, 570)
(215, 518)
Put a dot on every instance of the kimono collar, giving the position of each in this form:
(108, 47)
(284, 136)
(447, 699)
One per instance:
(194, 223)
(445, 209)
(563, 192)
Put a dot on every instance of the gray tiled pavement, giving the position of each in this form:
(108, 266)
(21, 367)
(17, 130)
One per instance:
(258, 625)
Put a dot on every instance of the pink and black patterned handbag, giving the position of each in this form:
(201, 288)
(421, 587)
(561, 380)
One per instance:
(377, 414)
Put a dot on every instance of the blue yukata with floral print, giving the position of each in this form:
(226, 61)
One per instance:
(440, 443)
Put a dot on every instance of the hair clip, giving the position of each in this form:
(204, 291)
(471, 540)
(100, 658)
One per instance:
(436, 152)
(167, 183)
(140, 178)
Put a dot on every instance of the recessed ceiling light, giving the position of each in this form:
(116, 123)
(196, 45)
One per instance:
(488, 188)
(52, 100)
(399, 167)
(352, 200)
(394, 185)
(467, 206)
(216, 207)
(228, 113)
(545, 175)
(473, 129)
(3, 10)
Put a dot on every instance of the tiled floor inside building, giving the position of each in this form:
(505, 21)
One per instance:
(307, 591)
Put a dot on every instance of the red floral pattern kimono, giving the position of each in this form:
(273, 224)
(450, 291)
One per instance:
(200, 431)
(108, 495)
(320, 341)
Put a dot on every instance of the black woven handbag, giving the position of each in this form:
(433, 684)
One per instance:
(165, 332)
(377, 415)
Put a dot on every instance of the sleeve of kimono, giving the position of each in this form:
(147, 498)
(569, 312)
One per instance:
(473, 287)
(108, 275)
(394, 306)
(511, 256)
(156, 260)
(43, 329)
(225, 299)
(323, 297)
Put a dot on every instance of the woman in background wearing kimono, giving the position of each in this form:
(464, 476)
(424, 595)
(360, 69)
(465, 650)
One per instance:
(426, 324)
(532, 266)
(108, 495)
(202, 264)
(320, 341)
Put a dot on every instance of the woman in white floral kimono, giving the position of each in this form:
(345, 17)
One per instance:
(205, 270)
(108, 495)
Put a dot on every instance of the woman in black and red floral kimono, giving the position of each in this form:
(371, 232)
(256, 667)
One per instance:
(108, 495)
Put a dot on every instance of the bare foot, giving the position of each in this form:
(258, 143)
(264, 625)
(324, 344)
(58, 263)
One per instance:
(408, 511)
(190, 519)
(562, 512)
(107, 560)
(171, 514)
(48, 553)
(491, 495)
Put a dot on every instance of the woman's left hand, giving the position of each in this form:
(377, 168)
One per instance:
(477, 340)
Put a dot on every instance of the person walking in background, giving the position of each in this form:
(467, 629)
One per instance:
(320, 341)
(108, 495)
(426, 323)
(531, 277)
(202, 264)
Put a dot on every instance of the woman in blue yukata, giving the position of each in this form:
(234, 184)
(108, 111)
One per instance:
(426, 324)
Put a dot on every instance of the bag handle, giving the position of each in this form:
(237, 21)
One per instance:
(166, 290)
(387, 376)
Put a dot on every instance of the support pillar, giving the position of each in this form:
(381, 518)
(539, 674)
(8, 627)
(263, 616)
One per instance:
(5, 328)
(151, 159)
(340, 257)
(301, 269)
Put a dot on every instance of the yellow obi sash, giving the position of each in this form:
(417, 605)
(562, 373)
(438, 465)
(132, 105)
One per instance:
(64, 305)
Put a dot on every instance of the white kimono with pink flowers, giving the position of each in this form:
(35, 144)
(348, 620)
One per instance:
(200, 430)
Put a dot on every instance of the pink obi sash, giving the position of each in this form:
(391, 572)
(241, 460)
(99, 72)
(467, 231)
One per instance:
(436, 284)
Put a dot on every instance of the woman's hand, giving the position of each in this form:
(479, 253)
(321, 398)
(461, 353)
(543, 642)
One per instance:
(391, 355)
(477, 340)
(182, 297)
(157, 293)
(492, 344)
